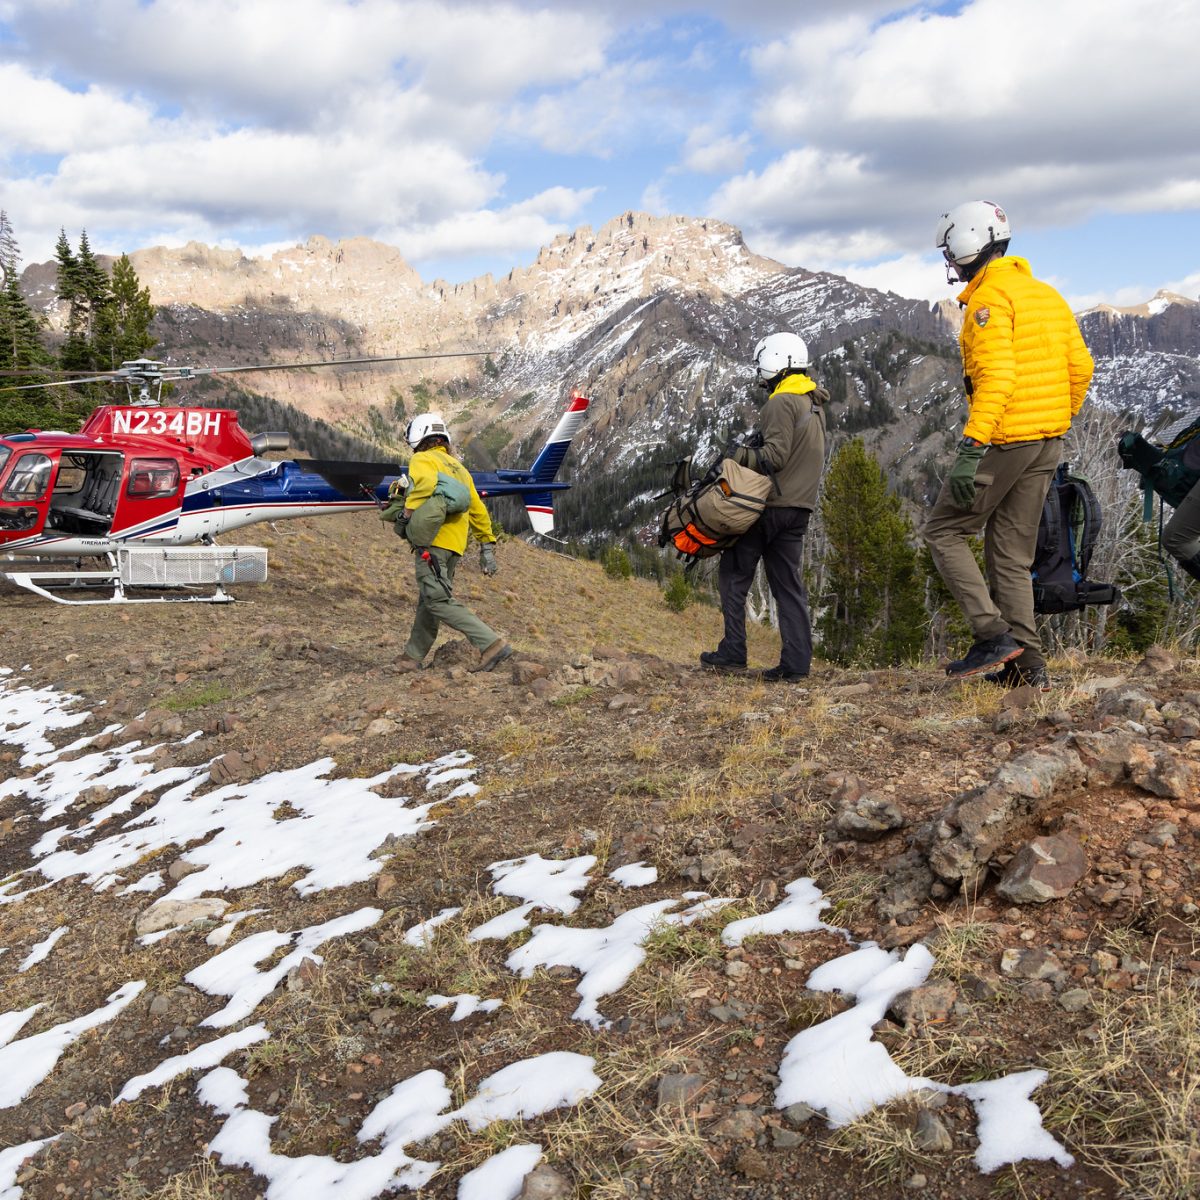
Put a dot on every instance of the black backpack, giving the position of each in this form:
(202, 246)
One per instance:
(1071, 523)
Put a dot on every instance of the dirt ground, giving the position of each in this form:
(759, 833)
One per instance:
(605, 739)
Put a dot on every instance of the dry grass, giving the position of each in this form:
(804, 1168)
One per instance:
(958, 946)
(203, 1180)
(1129, 1100)
(882, 1142)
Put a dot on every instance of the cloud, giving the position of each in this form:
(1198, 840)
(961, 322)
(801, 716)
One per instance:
(710, 153)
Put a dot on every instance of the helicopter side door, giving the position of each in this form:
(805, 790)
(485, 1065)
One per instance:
(25, 480)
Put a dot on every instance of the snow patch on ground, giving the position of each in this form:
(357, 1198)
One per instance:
(542, 883)
(502, 1176)
(10, 1164)
(411, 1113)
(25, 1063)
(421, 935)
(208, 1055)
(798, 912)
(464, 1005)
(838, 1067)
(41, 951)
(606, 957)
(634, 875)
(234, 972)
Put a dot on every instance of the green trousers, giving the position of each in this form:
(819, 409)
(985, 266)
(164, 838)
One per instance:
(436, 604)
(1010, 490)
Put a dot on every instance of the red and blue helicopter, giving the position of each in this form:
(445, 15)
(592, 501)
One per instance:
(141, 477)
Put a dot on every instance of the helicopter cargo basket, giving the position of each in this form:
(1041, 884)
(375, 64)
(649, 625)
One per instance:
(190, 566)
(161, 568)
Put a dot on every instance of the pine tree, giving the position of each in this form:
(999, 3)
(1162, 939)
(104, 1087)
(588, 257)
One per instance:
(74, 354)
(20, 329)
(122, 328)
(873, 609)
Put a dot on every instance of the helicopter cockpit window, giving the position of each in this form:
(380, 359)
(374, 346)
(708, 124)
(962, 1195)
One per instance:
(153, 478)
(29, 479)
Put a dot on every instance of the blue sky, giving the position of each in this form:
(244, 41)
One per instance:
(832, 132)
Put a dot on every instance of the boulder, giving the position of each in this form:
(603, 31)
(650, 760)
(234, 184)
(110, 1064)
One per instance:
(169, 914)
(545, 1183)
(868, 818)
(1046, 868)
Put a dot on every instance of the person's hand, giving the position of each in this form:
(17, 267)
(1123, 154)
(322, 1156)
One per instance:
(962, 475)
(487, 558)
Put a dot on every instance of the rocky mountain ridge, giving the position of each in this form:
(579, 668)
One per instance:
(654, 317)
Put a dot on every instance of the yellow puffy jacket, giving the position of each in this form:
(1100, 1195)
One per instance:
(1023, 355)
(423, 470)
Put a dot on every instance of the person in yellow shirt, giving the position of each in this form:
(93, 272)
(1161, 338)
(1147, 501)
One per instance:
(441, 507)
(1026, 372)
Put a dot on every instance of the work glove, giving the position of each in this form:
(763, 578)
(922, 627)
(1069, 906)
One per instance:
(487, 558)
(962, 474)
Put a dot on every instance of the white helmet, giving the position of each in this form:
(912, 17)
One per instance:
(424, 426)
(967, 233)
(779, 352)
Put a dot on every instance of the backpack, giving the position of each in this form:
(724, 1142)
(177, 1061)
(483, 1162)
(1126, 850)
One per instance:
(1070, 524)
(712, 513)
(1171, 470)
(450, 497)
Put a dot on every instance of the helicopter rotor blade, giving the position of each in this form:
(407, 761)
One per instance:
(24, 387)
(192, 372)
(50, 371)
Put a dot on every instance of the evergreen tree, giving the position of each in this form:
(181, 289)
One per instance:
(873, 609)
(93, 284)
(73, 355)
(20, 329)
(122, 330)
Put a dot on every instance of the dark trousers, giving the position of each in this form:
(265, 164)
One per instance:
(777, 538)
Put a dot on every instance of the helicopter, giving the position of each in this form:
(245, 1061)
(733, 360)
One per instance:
(149, 488)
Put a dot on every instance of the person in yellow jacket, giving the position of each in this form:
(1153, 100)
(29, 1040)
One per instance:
(1026, 372)
(441, 507)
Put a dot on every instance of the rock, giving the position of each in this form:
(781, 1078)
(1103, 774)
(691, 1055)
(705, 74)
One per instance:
(524, 672)
(926, 1005)
(1157, 662)
(916, 1182)
(1128, 703)
(868, 818)
(737, 969)
(1162, 833)
(75, 1110)
(741, 1124)
(1037, 990)
(1046, 868)
(1075, 1000)
(931, 1134)
(545, 1183)
(181, 867)
(753, 1164)
(1019, 698)
(303, 976)
(1029, 964)
(384, 884)
(909, 884)
(380, 727)
(159, 1006)
(785, 1139)
(799, 1114)
(679, 1091)
(167, 914)
(1164, 774)
(337, 741)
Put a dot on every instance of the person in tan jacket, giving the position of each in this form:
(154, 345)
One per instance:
(1026, 372)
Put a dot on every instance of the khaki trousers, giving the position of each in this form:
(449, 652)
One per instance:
(436, 604)
(1010, 490)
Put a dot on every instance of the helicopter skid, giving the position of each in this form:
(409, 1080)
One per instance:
(40, 583)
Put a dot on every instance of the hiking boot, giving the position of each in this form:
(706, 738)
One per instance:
(984, 655)
(779, 675)
(1013, 676)
(406, 664)
(713, 660)
(494, 655)
(1037, 678)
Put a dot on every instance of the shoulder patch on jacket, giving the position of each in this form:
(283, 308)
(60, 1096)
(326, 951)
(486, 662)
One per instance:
(981, 315)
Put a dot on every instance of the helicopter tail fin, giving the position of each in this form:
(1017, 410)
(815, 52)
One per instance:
(540, 505)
